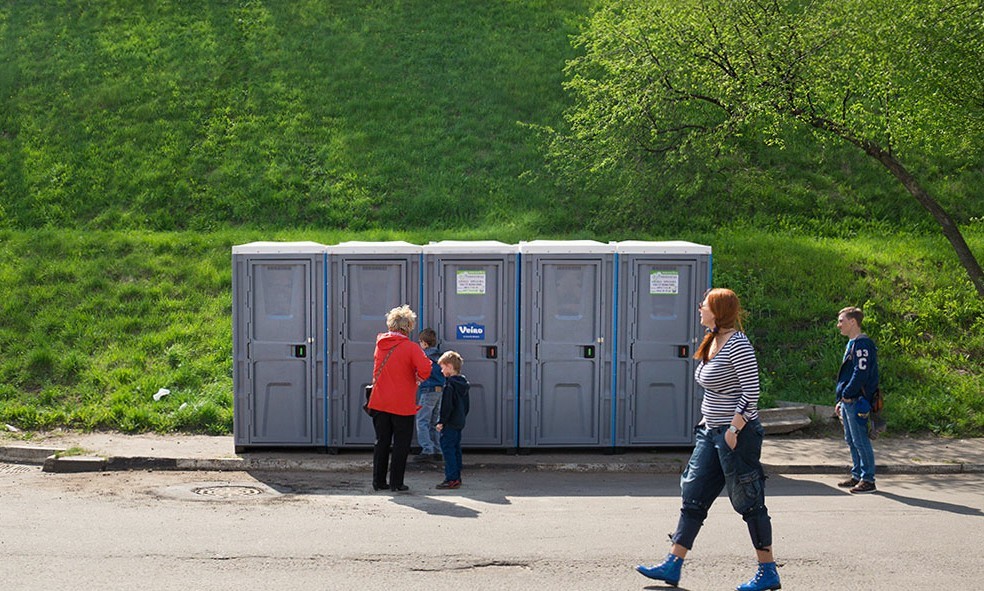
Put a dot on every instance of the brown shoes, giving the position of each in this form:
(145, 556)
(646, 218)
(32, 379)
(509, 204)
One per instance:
(864, 487)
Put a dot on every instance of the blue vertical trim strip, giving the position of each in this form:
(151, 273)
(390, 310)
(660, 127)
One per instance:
(615, 350)
(324, 346)
(518, 343)
(710, 270)
(420, 312)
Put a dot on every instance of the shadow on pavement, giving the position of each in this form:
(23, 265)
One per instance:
(497, 488)
(436, 507)
(934, 505)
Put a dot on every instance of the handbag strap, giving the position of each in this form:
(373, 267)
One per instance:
(385, 359)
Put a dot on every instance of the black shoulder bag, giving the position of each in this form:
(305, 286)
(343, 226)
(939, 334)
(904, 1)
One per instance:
(365, 405)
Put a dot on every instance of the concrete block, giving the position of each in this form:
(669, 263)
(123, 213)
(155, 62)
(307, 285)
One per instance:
(784, 420)
(74, 464)
(26, 454)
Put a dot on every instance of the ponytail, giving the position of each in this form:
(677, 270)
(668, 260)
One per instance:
(703, 350)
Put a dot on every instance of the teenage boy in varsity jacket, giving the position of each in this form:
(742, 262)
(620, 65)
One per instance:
(856, 384)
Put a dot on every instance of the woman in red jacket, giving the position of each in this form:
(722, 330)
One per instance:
(399, 364)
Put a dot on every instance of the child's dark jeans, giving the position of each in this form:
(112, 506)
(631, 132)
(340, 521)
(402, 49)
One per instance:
(451, 448)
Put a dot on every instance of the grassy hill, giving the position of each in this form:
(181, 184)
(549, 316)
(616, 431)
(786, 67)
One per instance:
(192, 115)
(138, 144)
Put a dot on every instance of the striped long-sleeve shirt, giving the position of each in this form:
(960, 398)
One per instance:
(731, 382)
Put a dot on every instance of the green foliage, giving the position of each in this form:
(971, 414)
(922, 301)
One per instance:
(677, 105)
(668, 80)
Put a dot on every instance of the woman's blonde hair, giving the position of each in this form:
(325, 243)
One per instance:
(401, 319)
(727, 312)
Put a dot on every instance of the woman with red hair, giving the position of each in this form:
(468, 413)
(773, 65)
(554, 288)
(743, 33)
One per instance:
(729, 444)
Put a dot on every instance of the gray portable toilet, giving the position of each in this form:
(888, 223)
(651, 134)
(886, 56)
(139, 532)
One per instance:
(566, 344)
(278, 344)
(470, 300)
(366, 280)
(659, 285)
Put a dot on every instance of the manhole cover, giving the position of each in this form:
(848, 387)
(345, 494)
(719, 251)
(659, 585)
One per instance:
(230, 491)
(217, 491)
(17, 468)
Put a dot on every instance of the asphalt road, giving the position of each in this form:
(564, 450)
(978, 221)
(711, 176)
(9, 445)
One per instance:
(503, 530)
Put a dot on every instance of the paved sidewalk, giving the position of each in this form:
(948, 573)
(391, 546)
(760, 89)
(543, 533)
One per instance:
(82, 452)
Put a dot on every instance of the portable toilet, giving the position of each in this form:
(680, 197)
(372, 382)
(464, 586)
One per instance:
(365, 281)
(659, 286)
(278, 344)
(470, 300)
(566, 343)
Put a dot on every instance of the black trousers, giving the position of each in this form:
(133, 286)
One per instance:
(394, 431)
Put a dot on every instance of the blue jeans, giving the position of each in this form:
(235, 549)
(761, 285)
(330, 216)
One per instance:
(713, 467)
(427, 417)
(856, 436)
(451, 446)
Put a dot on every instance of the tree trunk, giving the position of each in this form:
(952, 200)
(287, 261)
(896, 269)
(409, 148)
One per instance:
(950, 229)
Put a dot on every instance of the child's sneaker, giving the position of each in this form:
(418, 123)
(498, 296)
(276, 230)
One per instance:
(449, 484)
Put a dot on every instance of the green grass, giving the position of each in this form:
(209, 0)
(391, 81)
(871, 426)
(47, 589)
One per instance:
(928, 327)
(97, 322)
(192, 115)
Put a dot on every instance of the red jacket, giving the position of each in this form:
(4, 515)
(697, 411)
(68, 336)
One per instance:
(395, 391)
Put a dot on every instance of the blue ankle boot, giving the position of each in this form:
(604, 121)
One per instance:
(767, 577)
(668, 571)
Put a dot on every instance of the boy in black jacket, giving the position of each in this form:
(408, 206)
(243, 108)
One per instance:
(454, 408)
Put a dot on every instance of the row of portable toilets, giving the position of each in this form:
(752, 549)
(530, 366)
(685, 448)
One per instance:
(566, 343)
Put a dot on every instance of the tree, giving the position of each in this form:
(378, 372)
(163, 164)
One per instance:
(901, 80)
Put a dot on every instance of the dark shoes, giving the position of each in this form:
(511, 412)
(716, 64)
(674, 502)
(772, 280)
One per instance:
(400, 488)
(379, 487)
(858, 486)
(864, 487)
(449, 484)
(849, 483)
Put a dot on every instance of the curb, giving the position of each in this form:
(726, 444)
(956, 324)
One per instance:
(27, 454)
(78, 464)
(48, 458)
(75, 464)
(881, 469)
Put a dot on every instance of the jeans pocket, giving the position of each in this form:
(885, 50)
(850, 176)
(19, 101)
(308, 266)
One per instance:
(748, 491)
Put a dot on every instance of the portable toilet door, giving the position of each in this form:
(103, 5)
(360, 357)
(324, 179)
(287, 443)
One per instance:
(566, 346)
(278, 344)
(660, 285)
(470, 300)
(366, 280)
